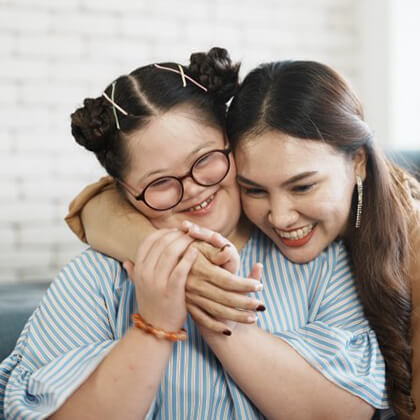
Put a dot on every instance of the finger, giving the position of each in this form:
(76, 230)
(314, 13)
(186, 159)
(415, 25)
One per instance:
(256, 271)
(235, 300)
(221, 312)
(152, 258)
(204, 234)
(171, 255)
(179, 275)
(148, 242)
(228, 258)
(225, 280)
(206, 321)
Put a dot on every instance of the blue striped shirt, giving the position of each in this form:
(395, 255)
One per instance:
(87, 309)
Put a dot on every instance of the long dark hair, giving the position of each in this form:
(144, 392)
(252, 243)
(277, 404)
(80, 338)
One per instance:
(309, 100)
(150, 91)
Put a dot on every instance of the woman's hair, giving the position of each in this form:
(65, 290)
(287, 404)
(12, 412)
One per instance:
(148, 92)
(309, 100)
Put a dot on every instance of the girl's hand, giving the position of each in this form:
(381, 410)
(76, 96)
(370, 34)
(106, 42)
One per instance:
(159, 274)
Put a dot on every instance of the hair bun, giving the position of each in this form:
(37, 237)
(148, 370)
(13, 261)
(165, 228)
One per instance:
(93, 124)
(216, 71)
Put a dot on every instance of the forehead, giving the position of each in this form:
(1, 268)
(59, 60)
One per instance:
(274, 152)
(168, 139)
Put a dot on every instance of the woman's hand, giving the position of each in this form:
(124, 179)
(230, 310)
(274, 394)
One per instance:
(159, 274)
(214, 295)
(219, 250)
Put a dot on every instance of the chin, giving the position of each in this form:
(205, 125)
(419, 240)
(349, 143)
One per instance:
(300, 255)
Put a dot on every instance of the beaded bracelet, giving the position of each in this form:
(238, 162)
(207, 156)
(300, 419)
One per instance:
(139, 322)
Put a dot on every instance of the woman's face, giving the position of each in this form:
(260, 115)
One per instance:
(168, 146)
(298, 192)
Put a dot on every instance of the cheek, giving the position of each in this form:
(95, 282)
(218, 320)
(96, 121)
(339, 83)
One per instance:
(332, 205)
(253, 209)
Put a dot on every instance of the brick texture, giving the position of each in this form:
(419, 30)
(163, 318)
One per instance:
(56, 52)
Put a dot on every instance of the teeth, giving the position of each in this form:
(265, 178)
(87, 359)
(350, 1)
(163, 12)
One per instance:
(297, 234)
(202, 205)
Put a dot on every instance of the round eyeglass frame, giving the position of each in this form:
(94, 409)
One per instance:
(142, 195)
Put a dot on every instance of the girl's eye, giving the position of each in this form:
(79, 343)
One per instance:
(303, 188)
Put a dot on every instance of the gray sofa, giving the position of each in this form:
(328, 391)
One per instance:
(17, 301)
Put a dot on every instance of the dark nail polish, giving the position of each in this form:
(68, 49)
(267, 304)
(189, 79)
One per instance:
(261, 308)
(227, 332)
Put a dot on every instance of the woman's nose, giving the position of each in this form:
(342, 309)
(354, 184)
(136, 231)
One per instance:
(282, 213)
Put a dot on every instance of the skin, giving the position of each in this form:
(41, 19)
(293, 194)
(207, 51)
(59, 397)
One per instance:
(151, 158)
(313, 186)
(160, 273)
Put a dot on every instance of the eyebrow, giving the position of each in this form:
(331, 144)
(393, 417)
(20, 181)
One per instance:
(190, 155)
(291, 180)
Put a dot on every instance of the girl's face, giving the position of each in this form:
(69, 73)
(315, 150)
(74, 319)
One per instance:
(168, 146)
(298, 192)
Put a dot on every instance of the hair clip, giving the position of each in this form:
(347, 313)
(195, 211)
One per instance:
(183, 76)
(115, 106)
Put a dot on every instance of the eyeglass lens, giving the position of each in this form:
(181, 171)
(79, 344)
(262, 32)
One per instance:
(166, 192)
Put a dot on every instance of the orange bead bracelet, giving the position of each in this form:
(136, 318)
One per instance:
(140, 323)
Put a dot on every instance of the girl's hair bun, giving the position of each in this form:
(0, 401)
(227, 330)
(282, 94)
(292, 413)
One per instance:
(216, 71)
(93, 124)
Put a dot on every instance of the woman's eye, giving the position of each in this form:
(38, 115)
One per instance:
(303, 188)
(253, 191)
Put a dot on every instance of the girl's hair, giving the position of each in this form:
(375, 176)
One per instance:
(309, 100)
(148, 92)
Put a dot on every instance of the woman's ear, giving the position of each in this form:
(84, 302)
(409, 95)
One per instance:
(359, 162)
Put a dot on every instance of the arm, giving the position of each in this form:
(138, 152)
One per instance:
(110, 223)
(279, 381)
(124, 384)
(78, 349)
(100, 215)
(329, 368)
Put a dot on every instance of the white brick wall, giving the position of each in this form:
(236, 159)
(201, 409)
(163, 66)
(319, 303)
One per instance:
(56, 52)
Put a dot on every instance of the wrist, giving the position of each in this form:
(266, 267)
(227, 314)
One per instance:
(158, 332)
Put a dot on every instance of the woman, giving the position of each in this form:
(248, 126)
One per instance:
(80, 356)
(279, 107)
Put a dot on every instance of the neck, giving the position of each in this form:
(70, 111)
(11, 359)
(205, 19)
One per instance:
(240, 235)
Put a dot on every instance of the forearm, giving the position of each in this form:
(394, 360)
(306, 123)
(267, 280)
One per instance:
(113, 226)
(124, 384)
(279, 381)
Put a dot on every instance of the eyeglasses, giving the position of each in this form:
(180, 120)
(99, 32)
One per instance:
(166, 192)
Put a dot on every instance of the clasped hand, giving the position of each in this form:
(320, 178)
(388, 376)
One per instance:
(193, 270)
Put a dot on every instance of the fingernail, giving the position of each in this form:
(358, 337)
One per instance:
(258, 287)
(187, 224)
(252, 318)
(227, 332)
(261, 308)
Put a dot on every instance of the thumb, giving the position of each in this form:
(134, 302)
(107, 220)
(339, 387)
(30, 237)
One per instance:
(256, 271)
(129, 267)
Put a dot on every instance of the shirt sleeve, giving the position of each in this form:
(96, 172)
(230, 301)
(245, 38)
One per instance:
(63, 342)
(337, 340)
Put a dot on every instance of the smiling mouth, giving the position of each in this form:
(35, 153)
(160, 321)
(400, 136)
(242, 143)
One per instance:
(296, 234)
(202, 205)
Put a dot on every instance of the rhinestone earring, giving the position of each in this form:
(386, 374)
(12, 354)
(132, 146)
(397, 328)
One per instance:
(359, 183)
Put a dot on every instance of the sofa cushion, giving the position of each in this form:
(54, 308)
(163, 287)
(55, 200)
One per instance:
(17, 302)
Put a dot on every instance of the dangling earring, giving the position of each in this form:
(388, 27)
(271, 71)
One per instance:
(359, 201)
